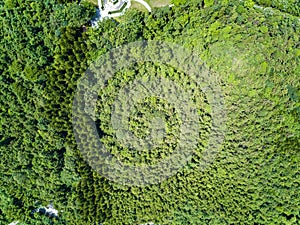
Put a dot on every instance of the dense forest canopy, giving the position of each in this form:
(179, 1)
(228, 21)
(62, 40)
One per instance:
(254, 54)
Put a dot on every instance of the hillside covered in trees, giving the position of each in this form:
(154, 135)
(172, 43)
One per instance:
(251, 48)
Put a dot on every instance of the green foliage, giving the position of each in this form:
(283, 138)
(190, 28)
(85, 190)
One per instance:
(145, 111)
(32, 150)
(255, 58)
(178, 2)
(208, 3)
(289, 6)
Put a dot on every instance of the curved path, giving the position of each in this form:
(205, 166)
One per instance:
(144, 4)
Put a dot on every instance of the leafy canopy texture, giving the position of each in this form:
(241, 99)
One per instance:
(46, 46)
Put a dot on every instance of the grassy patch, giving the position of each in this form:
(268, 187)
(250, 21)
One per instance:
(94, 2)
(158, 3)
(138, 6)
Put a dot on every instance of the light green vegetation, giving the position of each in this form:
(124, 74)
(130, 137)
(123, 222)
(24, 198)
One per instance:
(158, 3)
(292, 6)
(138, 6)
(254, 56)
(94, 2)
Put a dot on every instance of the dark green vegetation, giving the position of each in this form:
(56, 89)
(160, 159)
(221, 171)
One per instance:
(254, 180)
(145, 110)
